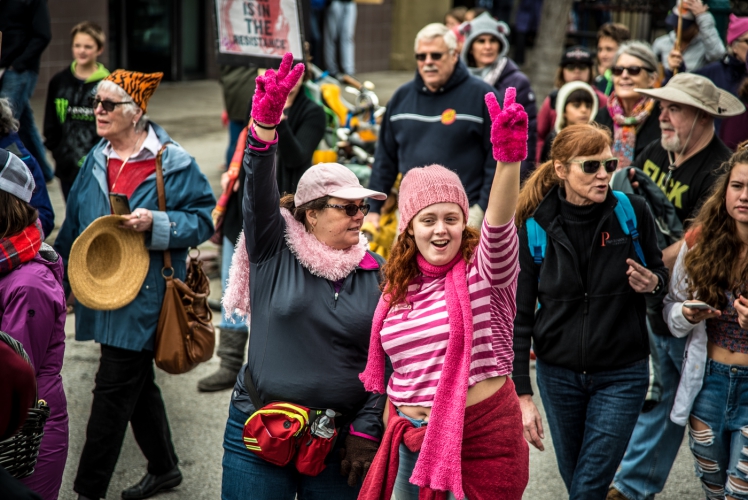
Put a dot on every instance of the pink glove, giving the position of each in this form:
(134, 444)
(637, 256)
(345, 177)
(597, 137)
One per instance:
(508, 127)
(273, 89)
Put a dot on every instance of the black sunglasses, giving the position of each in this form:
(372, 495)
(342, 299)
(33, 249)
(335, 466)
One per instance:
(592, 166)
(107, 105)
(633, 70)
(351, 209)
(435, 56)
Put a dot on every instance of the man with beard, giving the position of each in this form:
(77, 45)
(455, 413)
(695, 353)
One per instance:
(438, 117)
(683, 162)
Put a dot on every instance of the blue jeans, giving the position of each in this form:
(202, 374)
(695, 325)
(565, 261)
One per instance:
(235, 128)
(722, 405)
(656, 439)
(340, 29)
(248, 477)
(591, 417)
(17, 88)
(227, 252)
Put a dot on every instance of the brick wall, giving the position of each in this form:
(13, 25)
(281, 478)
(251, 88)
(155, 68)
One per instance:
(65, 14)
(373, 37)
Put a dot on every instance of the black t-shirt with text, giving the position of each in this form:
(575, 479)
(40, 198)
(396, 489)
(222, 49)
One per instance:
(691, 183)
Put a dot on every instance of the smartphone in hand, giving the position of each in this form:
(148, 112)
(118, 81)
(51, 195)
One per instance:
(699, 306)
(120, 204)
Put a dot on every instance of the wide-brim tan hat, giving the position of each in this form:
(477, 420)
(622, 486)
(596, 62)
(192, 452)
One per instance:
(699, 92)
(107, 264)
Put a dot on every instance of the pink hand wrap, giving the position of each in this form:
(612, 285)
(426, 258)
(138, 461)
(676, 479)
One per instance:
(508, 127)
(273, 89)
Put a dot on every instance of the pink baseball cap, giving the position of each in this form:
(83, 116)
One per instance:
(331, 179)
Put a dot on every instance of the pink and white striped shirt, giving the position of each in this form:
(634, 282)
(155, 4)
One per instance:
(415, 334)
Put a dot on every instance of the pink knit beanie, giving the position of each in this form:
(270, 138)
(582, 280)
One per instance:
(425, 186)
(737, 26)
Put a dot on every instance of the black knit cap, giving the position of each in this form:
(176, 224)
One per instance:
(577, 55)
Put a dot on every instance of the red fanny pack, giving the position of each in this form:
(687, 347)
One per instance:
(281, 432)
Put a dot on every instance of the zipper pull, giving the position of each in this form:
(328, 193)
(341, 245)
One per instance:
(336, 296)
(586, 304)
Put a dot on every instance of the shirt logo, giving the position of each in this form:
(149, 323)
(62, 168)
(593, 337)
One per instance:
(61, 106)
(449, 116)
(674, 191)
(606, 241)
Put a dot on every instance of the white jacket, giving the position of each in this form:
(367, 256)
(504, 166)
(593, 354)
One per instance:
(694, 359)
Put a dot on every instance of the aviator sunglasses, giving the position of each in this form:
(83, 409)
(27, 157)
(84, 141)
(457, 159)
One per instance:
(633, 70)
(351, 209)
(107, 105)
(592, 166)
(435, 56)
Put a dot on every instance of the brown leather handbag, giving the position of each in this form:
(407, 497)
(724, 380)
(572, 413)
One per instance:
(185, 336)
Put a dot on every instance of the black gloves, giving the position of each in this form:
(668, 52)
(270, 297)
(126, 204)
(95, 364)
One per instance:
(357, 456)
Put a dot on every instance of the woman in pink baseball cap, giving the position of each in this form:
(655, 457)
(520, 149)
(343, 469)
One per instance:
(445, 322)
(314, 288)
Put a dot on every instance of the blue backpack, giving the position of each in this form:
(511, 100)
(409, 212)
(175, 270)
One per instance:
(537, 241)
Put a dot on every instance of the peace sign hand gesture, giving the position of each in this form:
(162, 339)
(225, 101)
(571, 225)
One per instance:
(273, 89)
(508, 127)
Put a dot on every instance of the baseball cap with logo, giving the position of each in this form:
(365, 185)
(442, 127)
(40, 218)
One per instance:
(331, 179)
(699, 92)
(578, 55)
(15, 177)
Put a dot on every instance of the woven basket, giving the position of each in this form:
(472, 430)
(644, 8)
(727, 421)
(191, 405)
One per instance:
(19, 452)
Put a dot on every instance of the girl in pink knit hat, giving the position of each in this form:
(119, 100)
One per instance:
(445, 321)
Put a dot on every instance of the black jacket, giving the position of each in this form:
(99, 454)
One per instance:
(648, 131)
(26, 33)
(450, 127)
(602, 327)
(298, 137)
(308, 344)
(69, 121)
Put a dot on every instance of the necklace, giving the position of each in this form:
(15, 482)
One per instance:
(121, 167)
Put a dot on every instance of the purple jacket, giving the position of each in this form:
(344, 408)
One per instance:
(32, 311)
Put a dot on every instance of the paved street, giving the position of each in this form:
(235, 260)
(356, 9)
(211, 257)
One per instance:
(190, 112)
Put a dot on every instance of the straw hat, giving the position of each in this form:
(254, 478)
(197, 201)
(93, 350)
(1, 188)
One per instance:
(107, 264)
(699, 92)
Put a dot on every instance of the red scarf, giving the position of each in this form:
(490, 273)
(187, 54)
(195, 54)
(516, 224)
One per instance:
(20, 247)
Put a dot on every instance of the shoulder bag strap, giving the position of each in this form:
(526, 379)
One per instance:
(161, 190)
(251, 390)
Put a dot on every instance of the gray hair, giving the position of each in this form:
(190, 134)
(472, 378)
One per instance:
(8, 124)
(434, 30)
(130, 109)
(640, 50)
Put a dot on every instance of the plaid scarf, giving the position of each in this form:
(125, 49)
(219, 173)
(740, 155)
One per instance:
(20, 248)
(624, 127)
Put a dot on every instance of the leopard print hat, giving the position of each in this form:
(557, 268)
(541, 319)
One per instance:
(139, 86)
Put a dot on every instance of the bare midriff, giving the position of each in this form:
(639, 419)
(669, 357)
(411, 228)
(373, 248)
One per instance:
(724, 356)
(479, 392)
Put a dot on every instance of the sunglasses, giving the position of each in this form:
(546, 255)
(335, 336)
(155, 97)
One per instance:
(592, 166)
(351, 209)
(633, 70)
(107, 105)
(576, 66)
(435, 56)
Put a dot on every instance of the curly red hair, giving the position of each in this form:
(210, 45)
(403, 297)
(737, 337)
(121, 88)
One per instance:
(402, 268)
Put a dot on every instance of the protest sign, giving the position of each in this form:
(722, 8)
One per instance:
(258, 32)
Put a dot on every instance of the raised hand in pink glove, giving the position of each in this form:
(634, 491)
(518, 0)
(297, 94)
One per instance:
(273, 89)
(508, 127)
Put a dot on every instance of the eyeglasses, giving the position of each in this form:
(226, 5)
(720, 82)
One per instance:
(576, 66)
(107, 105)
(633, 70)
(592, 166)
(351, 209)
(435, 56)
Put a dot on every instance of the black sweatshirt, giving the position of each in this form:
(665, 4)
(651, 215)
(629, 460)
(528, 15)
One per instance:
(592, 328)
(26, 33)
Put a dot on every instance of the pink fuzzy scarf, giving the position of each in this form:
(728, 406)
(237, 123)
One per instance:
(316, 257)
(438, 466)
